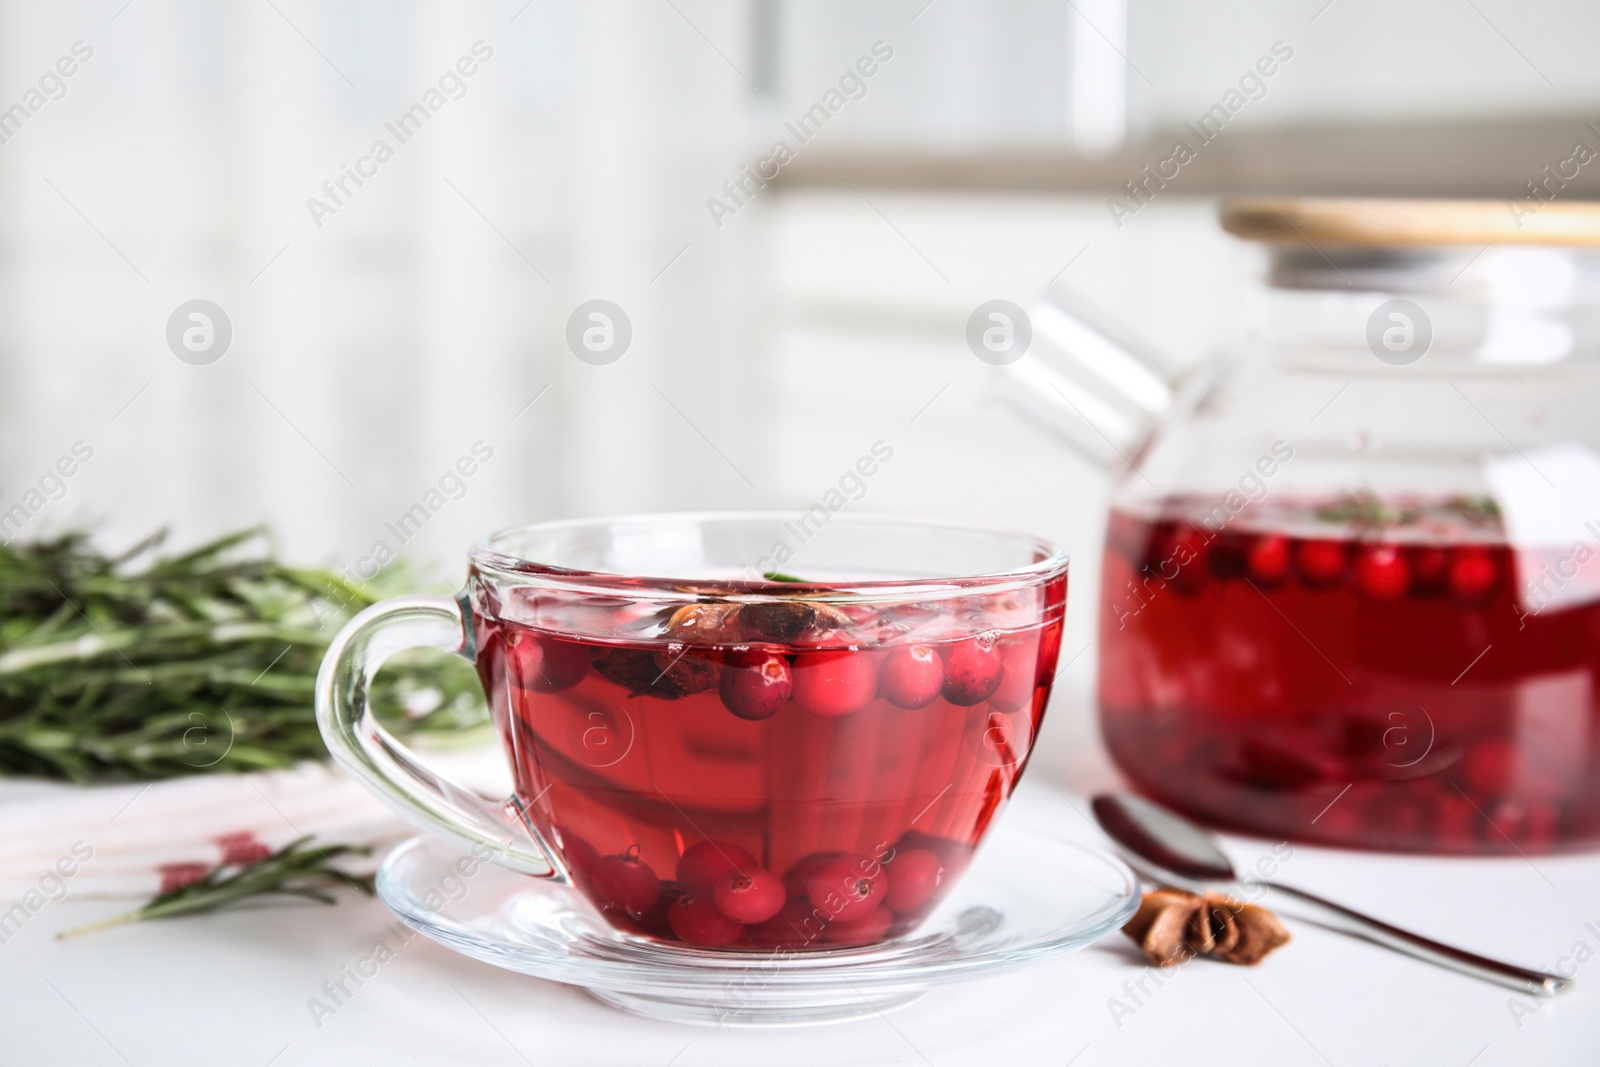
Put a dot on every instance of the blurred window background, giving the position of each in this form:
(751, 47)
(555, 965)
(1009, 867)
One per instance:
(788, 309)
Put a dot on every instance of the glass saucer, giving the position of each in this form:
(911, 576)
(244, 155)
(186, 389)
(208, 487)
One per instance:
(1028, 896)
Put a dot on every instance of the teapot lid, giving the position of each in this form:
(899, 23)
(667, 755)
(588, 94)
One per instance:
(1371, 222)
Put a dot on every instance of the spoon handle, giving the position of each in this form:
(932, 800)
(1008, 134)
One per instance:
(1537, 983)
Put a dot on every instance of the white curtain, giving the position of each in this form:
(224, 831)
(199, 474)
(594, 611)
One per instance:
(372, 347)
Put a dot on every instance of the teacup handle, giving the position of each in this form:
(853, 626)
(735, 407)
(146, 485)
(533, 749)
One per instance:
(388, 768)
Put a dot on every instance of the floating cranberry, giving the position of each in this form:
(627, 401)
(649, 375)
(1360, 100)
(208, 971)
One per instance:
(1472, 573)
(706, 863)
(755, 685)
(1382, 572)
(544, 665)
(799, 876)
(836, 682)
(1183, 562)
(1322, 562)
(625, 882)
(911, 677)
(972, 670)
(1157, 544)
(872, 926)
(1268, 558)
(847, 888)
(697, 921)
(796, 925)
(751, 895)
(914, 877)
(1489, 765)
(1226, 560)
(1430, 571)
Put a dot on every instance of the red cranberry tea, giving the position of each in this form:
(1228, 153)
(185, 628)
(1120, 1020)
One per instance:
(777, 774)
(1354, 673)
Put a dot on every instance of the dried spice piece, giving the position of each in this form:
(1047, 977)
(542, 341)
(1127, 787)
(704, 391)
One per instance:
(785, 620)
(636, 670)
(667, 673)
(829, 617)
(706, 624)
(1172, 925)
(686, 669)
(782, 620)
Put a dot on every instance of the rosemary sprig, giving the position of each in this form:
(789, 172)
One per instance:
(1365, 511)
(1478, 509)
(136, 668)
(299, 869)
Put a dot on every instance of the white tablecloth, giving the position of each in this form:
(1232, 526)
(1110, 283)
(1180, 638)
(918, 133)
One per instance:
(232, 988)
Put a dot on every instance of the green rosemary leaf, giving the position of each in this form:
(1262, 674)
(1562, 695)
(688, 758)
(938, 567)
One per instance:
(779, 576)
(299, 869)
(130, 667)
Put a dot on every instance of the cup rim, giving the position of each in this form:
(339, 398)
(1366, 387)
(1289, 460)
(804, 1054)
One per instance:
(484, 555)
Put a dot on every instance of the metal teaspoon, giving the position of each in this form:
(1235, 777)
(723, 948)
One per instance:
(1171, 850)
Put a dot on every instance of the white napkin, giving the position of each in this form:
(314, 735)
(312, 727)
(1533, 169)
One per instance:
(131, 840)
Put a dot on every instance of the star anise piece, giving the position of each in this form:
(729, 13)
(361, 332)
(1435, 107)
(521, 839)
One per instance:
(1172, 925)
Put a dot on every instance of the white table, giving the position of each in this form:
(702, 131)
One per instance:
(233, 987)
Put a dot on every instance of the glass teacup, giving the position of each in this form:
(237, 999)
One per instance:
(731, 730)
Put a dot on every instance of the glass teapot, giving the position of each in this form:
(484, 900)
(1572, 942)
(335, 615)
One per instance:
(1351, 587)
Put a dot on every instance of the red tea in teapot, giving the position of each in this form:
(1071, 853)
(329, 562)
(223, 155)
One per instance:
(1352, 672)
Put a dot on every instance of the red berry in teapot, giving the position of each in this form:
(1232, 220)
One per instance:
(1268, 558)
(1322, 562)
(1382, 572)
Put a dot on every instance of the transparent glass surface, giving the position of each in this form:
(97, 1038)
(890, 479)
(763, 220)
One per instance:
(1028, 897)
(739, 732)
(765, 730)
(1351, 591)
